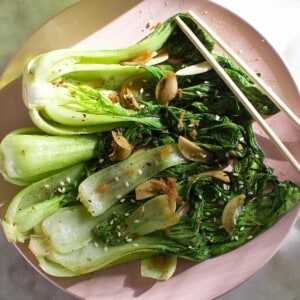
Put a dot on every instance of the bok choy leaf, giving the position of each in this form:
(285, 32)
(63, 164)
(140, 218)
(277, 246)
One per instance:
(101, 190)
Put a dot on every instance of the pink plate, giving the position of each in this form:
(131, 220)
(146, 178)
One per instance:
(101, 24)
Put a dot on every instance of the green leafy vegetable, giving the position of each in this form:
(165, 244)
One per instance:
(41, 199)
(28, 155)
(105, 137)
(102, 189)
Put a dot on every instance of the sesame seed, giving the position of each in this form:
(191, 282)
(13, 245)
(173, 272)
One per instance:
(136, 221)
(111, 222)
(207, 213)
(101, 160)
(62, 183)
(141, 91)
(235, 174)
(47, 186)
(135, 244)
(140, 171)
(96, 244)
(126, 214)
(119, 234)
(226, 187)
(250, 237)
(217, 117)
(242, 228)
(129, 240)
(68, 179)
(117, 179)
(105, 248)
(126, 183)
(119, 196)
(61, 190)
(236, 237)
(132, 200)
(122, 200)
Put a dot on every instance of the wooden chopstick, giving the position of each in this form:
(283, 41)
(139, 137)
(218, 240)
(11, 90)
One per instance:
(260, 83)
(237, 92)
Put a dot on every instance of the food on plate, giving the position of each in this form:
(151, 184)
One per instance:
(141, 153)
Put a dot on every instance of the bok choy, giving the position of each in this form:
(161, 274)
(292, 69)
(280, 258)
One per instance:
(28, 154)
(141, 153)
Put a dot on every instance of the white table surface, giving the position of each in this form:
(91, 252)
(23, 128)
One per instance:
(278, 21)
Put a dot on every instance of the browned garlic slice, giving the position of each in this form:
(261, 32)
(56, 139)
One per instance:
(145, 190)
(218, 174)
(167, 88)
(130, 90)
(121, 147)
(155, 187)
(128, 99)
(191, 151)
(231, 212)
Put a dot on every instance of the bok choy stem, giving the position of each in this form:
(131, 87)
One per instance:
(101, 190)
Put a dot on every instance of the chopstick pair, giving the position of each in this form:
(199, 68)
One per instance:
(235, 89)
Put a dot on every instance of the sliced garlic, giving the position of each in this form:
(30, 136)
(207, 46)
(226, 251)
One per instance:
(129, 92)
(121, 147)
(218, 174)
(128, 99)
(231, 212)
(191, 151)
(159, 58)
(167, 88)
(145, 190)
(194, 69)
(155, 187)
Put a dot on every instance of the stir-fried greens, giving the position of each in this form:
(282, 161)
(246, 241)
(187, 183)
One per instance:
(141, 153)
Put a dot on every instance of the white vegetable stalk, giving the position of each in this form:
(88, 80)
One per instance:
(102, 189)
